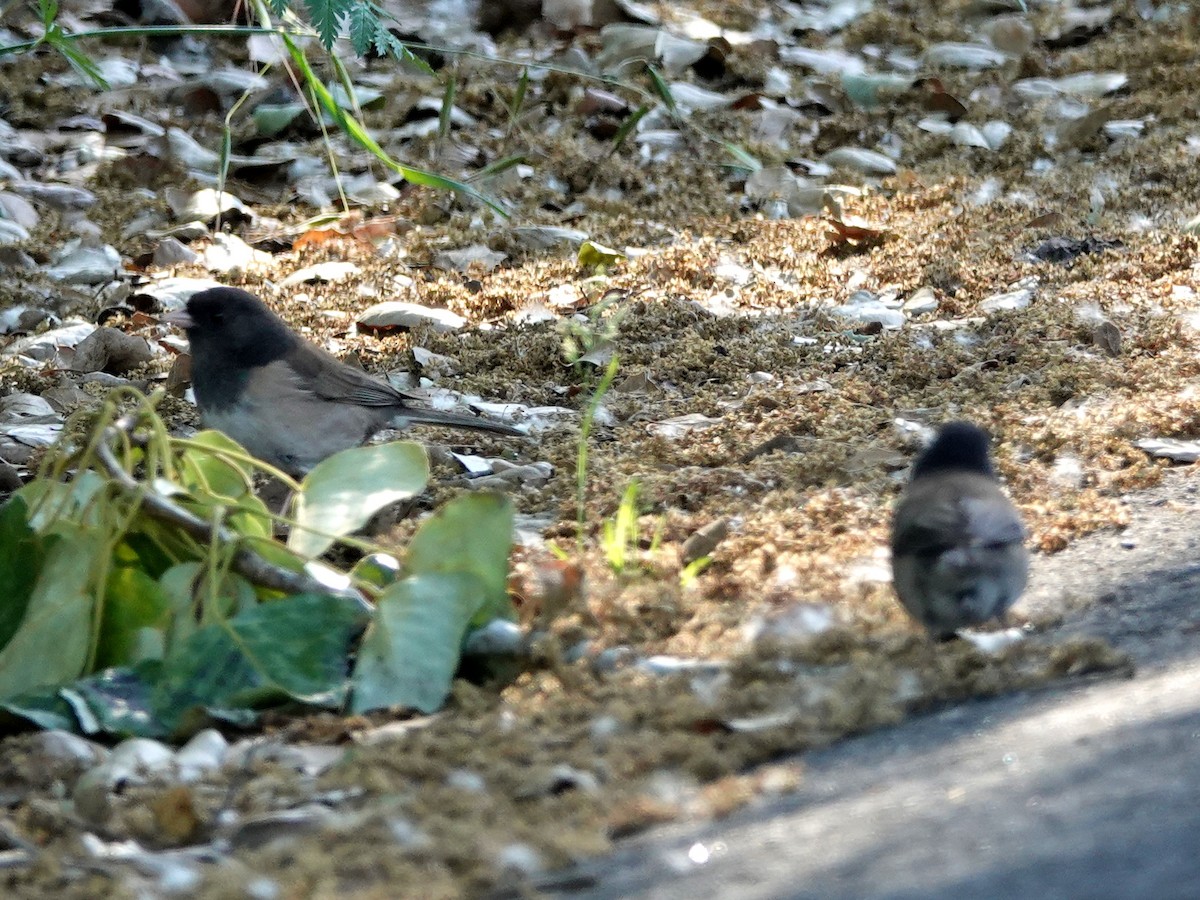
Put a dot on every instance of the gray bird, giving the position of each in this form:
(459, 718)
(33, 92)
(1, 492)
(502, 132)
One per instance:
(958, 545)
(283, 399)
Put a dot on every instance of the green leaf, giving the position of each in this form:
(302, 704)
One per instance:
(662, 88)
(150, 555)
(292, 648)
(363, 23)
(500, 165)
(870, 90)
(473, 534)
(251, 518)
(270, 119)
(411, 651)
(118, 701)
(342, 492)
(518, 100)
(745, 158)
(212, 480)
(133, 601)
(207, 472)
(80, 62)
(598, 257)
(326, 17)
(387, 44)
(52, 643)
(50, 502)
(275, 553)
(21, 557)
(627, 127)
(49, 12)
(447, 106)
(44, 708)
(193, 602)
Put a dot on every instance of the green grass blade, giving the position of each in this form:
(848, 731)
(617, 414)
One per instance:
(500, 165)
(627, 127)
(662, 89)
(356, 132)
(447, 109)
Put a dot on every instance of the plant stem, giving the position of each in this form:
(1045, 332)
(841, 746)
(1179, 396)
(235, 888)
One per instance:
(246, 562)
(581, 458)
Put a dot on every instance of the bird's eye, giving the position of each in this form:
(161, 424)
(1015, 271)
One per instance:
(218, 317)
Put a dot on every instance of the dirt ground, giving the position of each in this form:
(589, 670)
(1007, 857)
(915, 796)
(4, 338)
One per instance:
(724, 313)
(1046, 793)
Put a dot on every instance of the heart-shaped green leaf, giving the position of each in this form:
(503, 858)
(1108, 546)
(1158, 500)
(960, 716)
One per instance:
(410, 653)
(472, 533)
(341, 493)
(50, 646)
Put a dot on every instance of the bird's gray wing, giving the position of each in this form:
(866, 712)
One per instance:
(927, 525)
(325, 378)
(992, 521)
(955, 513)
(331, 379)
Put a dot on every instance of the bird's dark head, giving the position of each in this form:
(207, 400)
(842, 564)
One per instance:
(232, 325)
(958, 447)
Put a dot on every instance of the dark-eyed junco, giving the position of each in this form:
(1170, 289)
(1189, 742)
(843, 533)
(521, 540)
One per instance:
(958, 545)
(283, 399)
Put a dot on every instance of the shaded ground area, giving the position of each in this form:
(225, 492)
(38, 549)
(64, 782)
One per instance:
(1089, 792)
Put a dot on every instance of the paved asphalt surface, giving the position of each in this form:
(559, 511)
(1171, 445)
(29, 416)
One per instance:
(1088, 790)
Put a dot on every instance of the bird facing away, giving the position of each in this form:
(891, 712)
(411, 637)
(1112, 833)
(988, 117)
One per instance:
(958, 545)
(286, 401)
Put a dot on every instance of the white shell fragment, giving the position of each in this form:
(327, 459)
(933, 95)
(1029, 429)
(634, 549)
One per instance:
(399, 314)
(1170, 448)
(974, 57)
(859, 159)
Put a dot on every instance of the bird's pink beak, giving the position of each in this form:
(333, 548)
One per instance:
(180, 319)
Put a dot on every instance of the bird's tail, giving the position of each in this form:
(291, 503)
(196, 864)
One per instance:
(416, 416)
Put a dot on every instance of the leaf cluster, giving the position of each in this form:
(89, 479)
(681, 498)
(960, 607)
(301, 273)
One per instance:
(143, 590)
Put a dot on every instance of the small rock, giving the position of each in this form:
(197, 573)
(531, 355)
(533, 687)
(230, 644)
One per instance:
(230, 253)
(923, 300)
(206, 205)
(332, 271)
(1107, 337)
(675, 428)
(19, 406)
(63, 747)
(10, 478)
(398, 314)
(497, 638)
(110, 350)
(792, 624)
(204, 753)
(12, 233)
(705, 541)
(173, 252)
(57, 196)
(1007, 301)
(546, 237)
(86, 265)
(475, 258)
(865, 308)
(138, 757)
(521, 858)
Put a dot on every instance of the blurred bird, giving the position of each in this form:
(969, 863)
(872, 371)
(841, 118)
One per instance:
(958, 552)
(286, 401)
